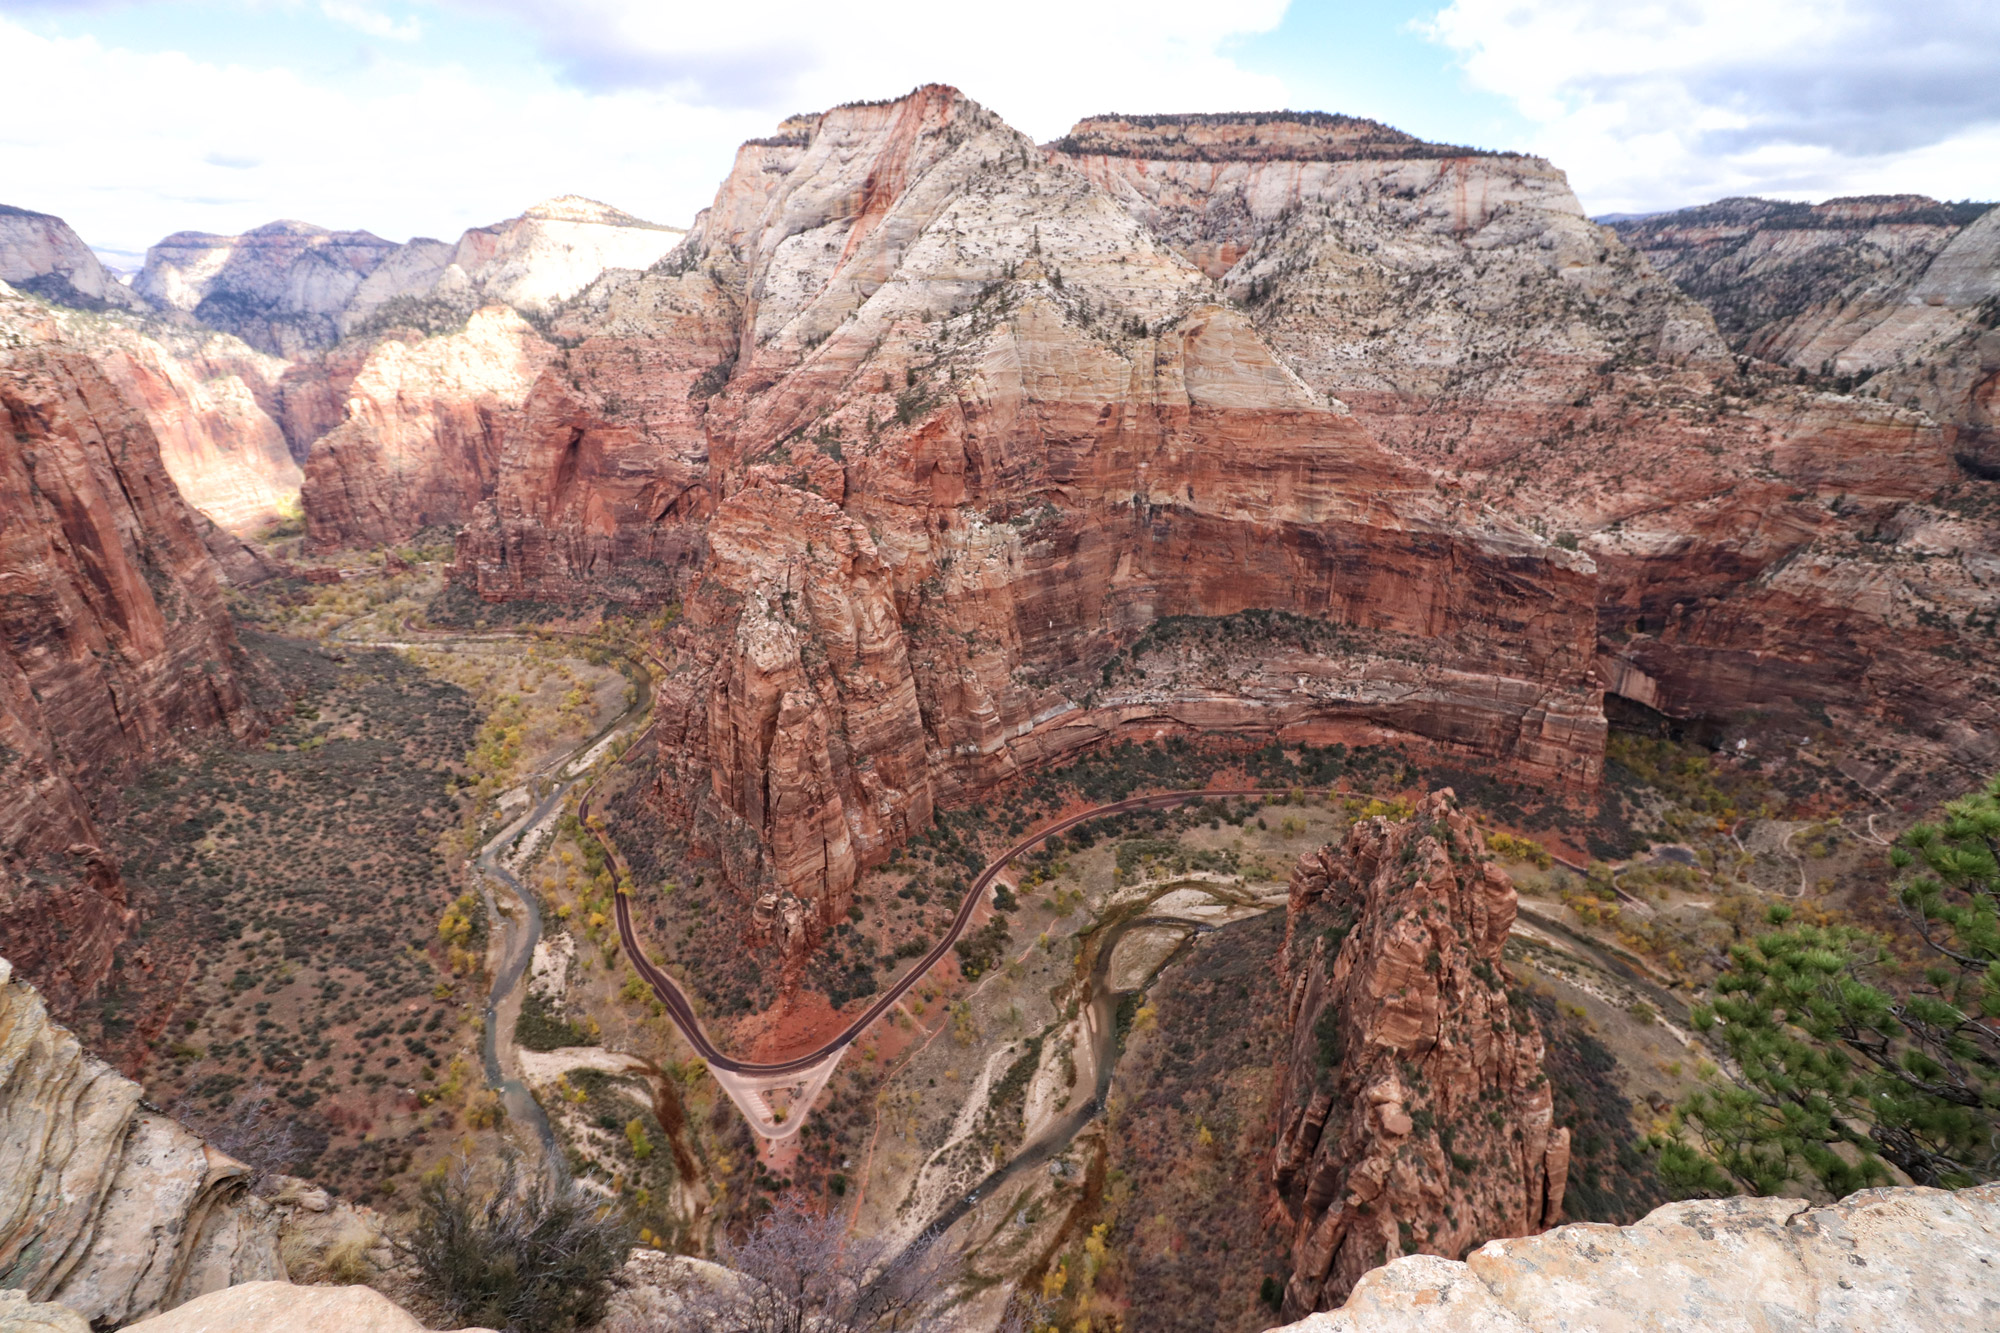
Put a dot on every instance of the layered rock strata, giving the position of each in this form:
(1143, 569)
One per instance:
(1897, 294)
(925, 429)
(1413, 1113)
(203, 396)
(1750, 533)
(421, 440)
(292, 289)
(39, 253)
(111, 1209)
(280, 287)
(1893, 1260)
(116, 643)
(532, 263)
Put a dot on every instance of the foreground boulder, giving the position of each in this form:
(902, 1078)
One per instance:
(117, 1212)
(271, 1307)
(1885, 1260)
(18, 1314)
(1414, 1114)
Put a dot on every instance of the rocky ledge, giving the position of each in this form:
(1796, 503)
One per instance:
(116, 1212)
(1884, 1260)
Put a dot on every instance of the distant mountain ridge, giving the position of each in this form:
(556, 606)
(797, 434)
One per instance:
(243, 351)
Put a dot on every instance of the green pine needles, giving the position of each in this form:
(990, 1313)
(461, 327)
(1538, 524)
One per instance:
(1848, 1056)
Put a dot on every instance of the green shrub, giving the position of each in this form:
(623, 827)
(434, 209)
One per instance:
(537, 1257)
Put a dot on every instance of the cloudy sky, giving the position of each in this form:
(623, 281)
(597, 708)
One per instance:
(422, 117)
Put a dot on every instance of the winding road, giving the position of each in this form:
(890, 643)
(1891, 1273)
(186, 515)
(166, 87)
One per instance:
(682, 1011)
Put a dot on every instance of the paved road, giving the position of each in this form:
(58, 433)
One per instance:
(682, 1012)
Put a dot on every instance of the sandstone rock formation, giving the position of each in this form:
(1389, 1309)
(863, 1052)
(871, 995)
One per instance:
(1898, 293)
(1413, 1113)
(111, 1209)
(280, 287)
(269, 1307)
(532, 262)
(421, 439)
(18, 1314)
(387, 352)
(928, 430)
(1762, 547)
(40, 254)
(1884, 1260)
(116, 641)
(290, 288)
(203, 394)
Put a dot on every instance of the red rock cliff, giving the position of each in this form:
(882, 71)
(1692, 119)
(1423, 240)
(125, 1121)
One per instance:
(927, 430)
(421, 439)
(1413, 1114)
(116, 642)
(1747, 531)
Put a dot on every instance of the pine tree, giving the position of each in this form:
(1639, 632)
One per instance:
(1848, 1057)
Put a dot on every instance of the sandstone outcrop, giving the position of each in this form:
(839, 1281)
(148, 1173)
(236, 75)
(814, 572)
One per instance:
(927, 430)
(280, 287)
(1898, 294)
(421, 440)
(116, 642)
(407, 355)
(112, 1209)
(1884, 1260)
(292, 289)
(1413, 1113)
(531, 262)
(202, 395)
(41, 255)
(1748, 532)
(269, 1307)
(18, 1314)
(209, 397)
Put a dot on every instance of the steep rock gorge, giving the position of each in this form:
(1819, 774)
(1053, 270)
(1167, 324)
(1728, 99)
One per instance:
(117, 643)
(1762, 546)
(926, 431)
(208, 396)
(202, 395)
(1413, 1113)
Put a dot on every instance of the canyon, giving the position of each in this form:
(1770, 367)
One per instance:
(118, 645)
(928, 469)
(1892, 295)
(1763, 545)
(244, 351)
(925, 431)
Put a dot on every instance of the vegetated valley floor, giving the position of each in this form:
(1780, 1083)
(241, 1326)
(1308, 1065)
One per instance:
(293, 894)
(306, 933)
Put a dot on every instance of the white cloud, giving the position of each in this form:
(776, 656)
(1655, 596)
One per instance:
(1666, 102)
(1041, 63)
(638, 103)
(372, 22)
(166, 142)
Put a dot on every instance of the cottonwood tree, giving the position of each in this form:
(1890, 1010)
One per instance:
(1849, 1056)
